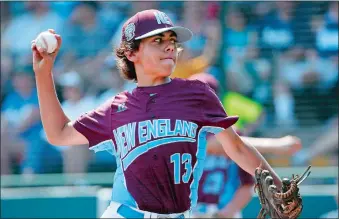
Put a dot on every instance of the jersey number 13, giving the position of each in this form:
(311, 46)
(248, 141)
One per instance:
(177, 159)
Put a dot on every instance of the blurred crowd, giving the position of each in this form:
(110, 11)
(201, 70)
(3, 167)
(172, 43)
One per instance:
(281, 55)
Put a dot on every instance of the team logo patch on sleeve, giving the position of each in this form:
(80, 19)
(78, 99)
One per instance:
(129, 31)
(121, 107)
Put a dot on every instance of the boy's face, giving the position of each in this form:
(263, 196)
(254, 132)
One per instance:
(158, 54)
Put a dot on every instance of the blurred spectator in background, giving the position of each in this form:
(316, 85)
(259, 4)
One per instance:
(277, 29)
(306, 75)
(326, 143)
(260, 71)
(293, 79)
(260, 11)
(12, 149)
(201, 52)
(327, 34)
(240, 42)
(20, 114)
(23, 28)
(247, 72)
(194, 16)
(7, 67)
(84, 36)
(307, 19)
(111, 14)
(284, 106)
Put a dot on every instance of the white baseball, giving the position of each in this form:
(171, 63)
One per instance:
(47, 41)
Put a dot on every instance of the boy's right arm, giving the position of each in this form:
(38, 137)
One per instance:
(58, 127)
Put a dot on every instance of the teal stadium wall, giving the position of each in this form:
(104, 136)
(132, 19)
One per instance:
(86, 207)
(47, 196)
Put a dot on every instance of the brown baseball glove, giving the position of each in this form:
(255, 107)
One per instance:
(285, 204)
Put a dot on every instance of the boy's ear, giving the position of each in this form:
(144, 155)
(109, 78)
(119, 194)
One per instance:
(131, 56)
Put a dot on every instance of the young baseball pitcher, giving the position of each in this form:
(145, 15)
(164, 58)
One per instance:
(157, 132)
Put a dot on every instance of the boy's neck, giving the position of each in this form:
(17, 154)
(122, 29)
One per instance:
(149, 81)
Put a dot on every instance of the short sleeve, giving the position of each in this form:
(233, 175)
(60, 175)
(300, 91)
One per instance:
(96, 124)
(213, 112)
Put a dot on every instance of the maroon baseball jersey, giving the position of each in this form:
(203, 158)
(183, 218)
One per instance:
(158, 136)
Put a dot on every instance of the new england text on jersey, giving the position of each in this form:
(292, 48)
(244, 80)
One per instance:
(150, 134)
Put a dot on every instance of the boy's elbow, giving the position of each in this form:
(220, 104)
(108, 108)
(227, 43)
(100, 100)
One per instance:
(54, 140)
(51, 140)
(57, 137)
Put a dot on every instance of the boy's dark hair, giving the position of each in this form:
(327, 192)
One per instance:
(125, 66)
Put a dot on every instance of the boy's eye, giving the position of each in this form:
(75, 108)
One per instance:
(172, 41)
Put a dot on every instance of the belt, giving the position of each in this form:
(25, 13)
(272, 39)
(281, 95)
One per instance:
(128, 212)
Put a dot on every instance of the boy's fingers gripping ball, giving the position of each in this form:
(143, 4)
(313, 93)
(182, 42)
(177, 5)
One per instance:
(47, 41)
